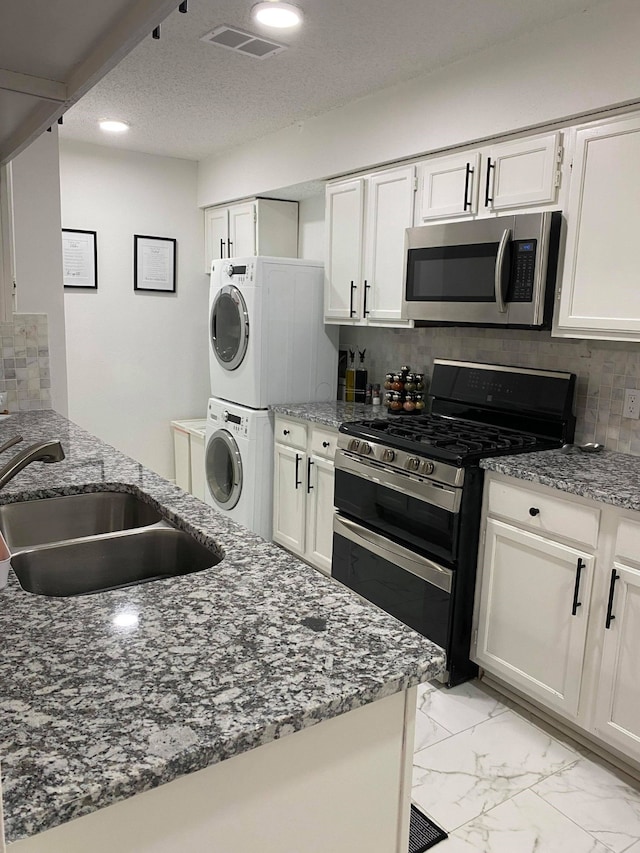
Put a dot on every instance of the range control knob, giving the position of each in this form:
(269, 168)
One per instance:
(413, 463)
(388, 455)
(426, 467)
(354, 444)
(365, 448)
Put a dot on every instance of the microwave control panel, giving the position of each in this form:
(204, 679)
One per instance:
(523, 265)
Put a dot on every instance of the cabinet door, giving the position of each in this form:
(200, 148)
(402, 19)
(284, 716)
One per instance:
(216, 234)
(448, 187)
(617, 718)
(530, 634)
(343, 256)
(289, 498)
(390, 197)
(600, 297)
(242, 230)
(319, 512)
(522, 173)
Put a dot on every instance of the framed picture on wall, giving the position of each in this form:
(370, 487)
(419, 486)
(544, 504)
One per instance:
(80, 258)
(154, 263)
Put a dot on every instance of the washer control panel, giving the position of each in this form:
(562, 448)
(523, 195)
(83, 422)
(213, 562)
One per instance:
(237, 424)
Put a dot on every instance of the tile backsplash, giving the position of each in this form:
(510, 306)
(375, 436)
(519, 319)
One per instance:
(604, 368)
(24, 369)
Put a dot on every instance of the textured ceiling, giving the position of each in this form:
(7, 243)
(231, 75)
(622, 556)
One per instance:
(184, 98)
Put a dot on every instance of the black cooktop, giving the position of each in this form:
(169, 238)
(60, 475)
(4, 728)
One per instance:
(453, 440)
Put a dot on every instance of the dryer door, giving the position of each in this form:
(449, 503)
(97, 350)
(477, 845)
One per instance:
(223, 466)
(229, 327)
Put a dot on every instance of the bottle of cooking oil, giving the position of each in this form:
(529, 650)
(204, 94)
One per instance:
(350, 379)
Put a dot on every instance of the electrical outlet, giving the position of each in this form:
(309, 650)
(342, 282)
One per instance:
(631, 404)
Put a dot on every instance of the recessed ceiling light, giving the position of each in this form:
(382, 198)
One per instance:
(113, 126)
(272, 13)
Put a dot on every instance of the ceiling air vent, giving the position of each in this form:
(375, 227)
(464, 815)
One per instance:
(242, 42)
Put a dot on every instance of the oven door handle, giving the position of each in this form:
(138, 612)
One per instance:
(499, 275)
(411, 562)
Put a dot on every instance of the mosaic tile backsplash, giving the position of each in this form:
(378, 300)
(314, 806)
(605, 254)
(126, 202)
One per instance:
(604, 368)
(24, 369)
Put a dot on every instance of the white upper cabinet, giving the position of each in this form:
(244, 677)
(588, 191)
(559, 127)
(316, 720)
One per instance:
(262, 226)
(600, 297)
(364, 264)
(448, 187)
(389, 211)
(522, 173)
(507, 175)
(344, 288)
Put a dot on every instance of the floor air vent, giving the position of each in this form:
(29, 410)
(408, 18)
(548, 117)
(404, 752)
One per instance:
(242, 42)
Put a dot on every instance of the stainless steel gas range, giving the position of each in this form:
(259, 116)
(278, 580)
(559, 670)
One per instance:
(408, 492)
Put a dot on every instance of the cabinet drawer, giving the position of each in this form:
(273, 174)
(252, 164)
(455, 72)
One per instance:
(545, 513)
(323, 442)
(291, 433)
(628, 540)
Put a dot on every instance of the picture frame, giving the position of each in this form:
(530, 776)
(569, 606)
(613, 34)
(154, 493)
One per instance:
(154, 263)
(79, 259)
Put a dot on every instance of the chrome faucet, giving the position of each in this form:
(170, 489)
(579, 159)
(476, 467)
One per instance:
(42, 451)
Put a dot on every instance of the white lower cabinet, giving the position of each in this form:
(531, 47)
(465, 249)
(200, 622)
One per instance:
(533, 613)
(559, 621)
(303, 490)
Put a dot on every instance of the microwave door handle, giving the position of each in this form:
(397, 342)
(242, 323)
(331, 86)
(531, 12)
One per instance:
(499, 274)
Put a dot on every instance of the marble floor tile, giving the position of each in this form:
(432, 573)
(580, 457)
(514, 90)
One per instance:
(635, 848)
(469, 773)
(461, 707)
(427, 732)
(523, 824)
(595, 798)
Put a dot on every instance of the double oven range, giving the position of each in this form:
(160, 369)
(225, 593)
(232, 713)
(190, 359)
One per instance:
(408, 492)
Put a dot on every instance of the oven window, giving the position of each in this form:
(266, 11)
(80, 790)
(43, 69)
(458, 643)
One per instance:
(452, 273)
(414, 601)
(409, 521)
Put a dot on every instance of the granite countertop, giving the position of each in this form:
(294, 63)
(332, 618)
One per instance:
(330, 414)
(607, 476)
(210, 665)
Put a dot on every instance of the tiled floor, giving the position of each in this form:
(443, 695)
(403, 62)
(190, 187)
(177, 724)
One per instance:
(497, 782)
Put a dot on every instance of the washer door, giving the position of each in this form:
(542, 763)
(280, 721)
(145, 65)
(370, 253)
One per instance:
(229, 327)
(223, 466)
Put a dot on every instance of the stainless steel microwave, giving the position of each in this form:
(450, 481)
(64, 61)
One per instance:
(487, 272)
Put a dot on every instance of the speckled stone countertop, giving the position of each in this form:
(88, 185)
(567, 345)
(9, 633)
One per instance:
(330, 414)
(205, 666)
(608, 477)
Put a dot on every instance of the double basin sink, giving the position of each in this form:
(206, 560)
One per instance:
(78, 544)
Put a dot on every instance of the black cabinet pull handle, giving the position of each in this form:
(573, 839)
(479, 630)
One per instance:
(533, 510)
(467, 179)
(576, 589)
(325, 444)
(221, 248)
(229, 245)
(351, 309)
(490, 166)
(298, 482)
(612, 586)
(286, 431)
(309, 464)
(367, 287)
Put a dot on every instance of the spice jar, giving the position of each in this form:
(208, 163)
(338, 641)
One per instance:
(388, 381)
(409, 404)
(397, 383)
(387, 399)
(419, 403)
(410, 382)
(396, 403)
(419, 380)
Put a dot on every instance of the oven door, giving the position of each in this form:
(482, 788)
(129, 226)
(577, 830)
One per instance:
(415, 590)
(414, 512)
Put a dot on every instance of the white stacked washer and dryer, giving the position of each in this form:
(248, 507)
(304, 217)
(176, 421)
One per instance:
(267, 344)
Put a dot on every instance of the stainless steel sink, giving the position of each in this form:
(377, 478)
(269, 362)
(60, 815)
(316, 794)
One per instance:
(28, 523)
(111, 561)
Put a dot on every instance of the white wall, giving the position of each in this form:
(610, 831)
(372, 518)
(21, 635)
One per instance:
(136, 360)
(38, 249)
(581, 64)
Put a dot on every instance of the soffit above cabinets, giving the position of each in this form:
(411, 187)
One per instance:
(52, 53)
